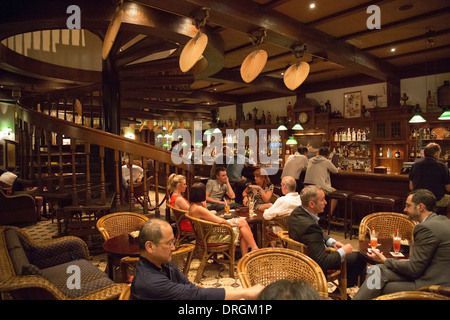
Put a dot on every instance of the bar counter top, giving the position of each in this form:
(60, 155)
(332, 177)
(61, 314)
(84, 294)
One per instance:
(377, 183)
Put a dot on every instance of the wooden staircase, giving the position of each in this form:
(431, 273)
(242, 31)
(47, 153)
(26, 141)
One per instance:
(78, 169)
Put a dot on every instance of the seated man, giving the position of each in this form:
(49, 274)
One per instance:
(157, 276)
(216, 190)
(304, 228)
(286, 204)
(129, 170)
(11, 180)
(429, 259)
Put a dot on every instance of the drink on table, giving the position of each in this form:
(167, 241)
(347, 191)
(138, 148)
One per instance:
(373, 239)
(227, 208)
(396, 241)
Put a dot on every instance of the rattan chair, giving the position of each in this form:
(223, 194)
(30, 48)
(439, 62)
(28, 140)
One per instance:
(385, 223)
(267, 227)
(337, 277)
(139, 192)
(125, 295)
(268, 265)
(444, 291)
(115, 224)
(182, 256)
(204, 230)
(412, 295)
(180, 215)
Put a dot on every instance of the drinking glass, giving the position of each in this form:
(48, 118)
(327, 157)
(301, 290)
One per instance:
(251, 204)
(396, 243)
(373, 240)
(227, 208)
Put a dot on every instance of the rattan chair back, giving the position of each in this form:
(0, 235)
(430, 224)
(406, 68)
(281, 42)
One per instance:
(180, 215)
(385, 223)
(267, 227)
(206, 231)
(412, 295)
(268, 265)
(442, 290)
(337, 277)
(115, 224)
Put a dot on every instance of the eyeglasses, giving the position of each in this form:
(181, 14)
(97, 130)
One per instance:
(170, 242)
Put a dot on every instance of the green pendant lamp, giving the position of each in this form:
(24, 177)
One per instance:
(282, 128)
(445, 115)
(297, 127)
(291, 141)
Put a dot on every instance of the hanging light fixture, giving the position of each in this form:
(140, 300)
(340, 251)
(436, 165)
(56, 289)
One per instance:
(282, 128)
(417, 118)
(254, 63)
(297, 127)
(193, 50)
(445, 115)
(291, 141)
(296, 74)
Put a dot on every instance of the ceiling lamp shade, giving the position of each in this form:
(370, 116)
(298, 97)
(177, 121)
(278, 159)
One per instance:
(281, 128)
(159, 136)
(297, 127)
(193, 51)
(111, 33)
(253, 65)
(291, 141)
(208, 131)
(199, 143)
(445, 115)
(296, 74)
(417, 119)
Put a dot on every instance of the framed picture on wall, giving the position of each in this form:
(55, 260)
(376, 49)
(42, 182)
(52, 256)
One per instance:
(352, 104)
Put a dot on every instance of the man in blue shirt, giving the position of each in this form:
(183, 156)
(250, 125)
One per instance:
(158, 278)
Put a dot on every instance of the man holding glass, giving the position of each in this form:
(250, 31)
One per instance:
(217, 188)
(429, 259)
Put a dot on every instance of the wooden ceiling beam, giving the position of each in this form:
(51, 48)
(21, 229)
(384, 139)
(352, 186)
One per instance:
(283, 30)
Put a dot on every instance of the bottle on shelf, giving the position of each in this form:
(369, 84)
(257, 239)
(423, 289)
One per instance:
(380, 153)
(358, 135)
(412, 154)
(353, 135)
(349, 135)
(389, 153)
(363, 135)
(336, 136)
(397, 154)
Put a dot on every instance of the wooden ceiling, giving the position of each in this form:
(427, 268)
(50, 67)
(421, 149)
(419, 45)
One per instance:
(341, 50)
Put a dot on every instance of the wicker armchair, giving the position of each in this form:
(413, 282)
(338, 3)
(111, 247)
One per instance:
(204, 230)
(38, 271)
(267, 227)
(385, 223)
(17, 209)
(337, 277)
(182, 256)
(444, 291)
(115, 224)
(268, 265)
(180, 215)
(412, 295)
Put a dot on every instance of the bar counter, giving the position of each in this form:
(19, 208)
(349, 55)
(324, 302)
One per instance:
(377, 183)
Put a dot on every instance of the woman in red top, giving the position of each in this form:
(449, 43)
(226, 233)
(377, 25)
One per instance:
(177, 186)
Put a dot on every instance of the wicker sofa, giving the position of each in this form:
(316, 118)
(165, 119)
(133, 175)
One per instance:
(41, 271)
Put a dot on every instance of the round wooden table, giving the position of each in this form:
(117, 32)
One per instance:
(385, 246)
(119, 247)
(254, 222)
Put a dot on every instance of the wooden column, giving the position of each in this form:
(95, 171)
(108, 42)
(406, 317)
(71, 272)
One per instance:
(393, 93)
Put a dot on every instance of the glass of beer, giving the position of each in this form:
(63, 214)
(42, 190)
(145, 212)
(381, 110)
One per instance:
(227, 208)
(396, 242)
(251, 205)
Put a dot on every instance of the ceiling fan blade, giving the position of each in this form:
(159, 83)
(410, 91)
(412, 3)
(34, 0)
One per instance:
(111, 33)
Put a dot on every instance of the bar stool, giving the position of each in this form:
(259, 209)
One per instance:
(360, 206)
(386, 203)
(339, 218)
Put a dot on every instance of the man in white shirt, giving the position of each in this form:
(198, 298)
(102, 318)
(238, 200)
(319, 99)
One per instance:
(286, 204)
(138, 173)
(296, 166)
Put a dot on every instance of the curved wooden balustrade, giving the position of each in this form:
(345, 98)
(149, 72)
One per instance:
(98, 171)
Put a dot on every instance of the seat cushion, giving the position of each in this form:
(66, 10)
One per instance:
(16, 251)
(91, 278)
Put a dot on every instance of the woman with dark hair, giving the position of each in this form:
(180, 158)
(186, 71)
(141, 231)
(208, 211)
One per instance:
(241, 229)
